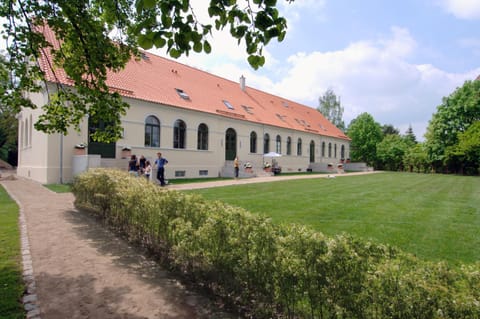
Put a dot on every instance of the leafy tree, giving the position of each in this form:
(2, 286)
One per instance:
(410, 136)
(8, 123)
(389, 129)
(415, 159)
(390, 152)
(331, 108)
(466, 154)
(88, 50)
(454, 116)
(365, 134)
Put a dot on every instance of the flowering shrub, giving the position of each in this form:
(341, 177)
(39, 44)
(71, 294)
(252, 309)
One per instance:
(247, 165)
(266, 165)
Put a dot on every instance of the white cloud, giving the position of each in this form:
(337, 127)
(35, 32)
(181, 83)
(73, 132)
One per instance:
(462, 9)
(373, 77)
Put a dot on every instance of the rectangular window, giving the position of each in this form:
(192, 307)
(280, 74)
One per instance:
(179, 173)
(203, 172)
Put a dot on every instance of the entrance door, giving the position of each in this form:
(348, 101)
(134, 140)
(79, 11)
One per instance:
(312, 152)
(230, 144)
(105, 150)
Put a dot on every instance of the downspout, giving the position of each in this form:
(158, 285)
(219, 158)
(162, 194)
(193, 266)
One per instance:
(61, 158)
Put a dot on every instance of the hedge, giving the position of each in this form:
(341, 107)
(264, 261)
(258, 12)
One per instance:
(268, 270)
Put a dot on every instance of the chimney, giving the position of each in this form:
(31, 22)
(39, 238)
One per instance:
(242, 83)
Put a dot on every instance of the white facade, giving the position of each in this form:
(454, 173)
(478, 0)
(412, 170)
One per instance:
(48, 158)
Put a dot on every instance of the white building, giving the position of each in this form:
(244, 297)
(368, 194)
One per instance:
(197, 120)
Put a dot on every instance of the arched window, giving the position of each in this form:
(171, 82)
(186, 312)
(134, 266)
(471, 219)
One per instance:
(266, 143)
(22, 142)
(299, 147)
(179, 134)
(323, 149)
(278, 145)
(335, 150)
(342, 152)
(152, 131)
(312, 152)
(253, 142)
(26, 132)
(289, 145)
(329, 149)
(30, 130)
(202, 137)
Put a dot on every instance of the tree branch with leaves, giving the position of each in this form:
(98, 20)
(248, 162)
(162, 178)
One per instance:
(97, 36)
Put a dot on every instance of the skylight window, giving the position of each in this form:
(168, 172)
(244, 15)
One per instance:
(281, 117)
(248, 109)
(228, 105)
(285, 104)
(183, 94)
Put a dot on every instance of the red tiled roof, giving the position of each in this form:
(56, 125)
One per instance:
(155, 79)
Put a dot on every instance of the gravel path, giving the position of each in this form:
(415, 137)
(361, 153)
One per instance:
(77, 269)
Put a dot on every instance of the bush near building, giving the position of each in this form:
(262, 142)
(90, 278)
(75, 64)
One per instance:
(270, 270)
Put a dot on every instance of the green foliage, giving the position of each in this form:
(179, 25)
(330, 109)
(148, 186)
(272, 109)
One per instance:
(466, 153)
(415, 159)
(390, 152)
(8, 122)
(432, 216)
(274, 270)
(331, 108)
(365, 134)
(11, 283)
(89, 50)
(454, 116)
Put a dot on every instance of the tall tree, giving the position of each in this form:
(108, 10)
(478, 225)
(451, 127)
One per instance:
(8, 123)
(389, 129)
(332, 109)
(365, 134)
(415, 159)
(465, 155)
(410, 136)
(390, 152)
(86, 51)
(456, 113)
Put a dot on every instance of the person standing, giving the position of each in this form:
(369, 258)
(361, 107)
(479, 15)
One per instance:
(133, 165)
(236, 166)
(160, 163)
(148, 169)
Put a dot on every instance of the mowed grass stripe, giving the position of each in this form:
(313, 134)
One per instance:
(436, 217)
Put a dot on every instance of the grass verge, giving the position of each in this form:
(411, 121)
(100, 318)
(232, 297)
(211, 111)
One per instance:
(11, 283)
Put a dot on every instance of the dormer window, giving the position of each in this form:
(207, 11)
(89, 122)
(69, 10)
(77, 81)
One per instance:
(248, 109)
(183, 94)
(228, 105)
(280, 117)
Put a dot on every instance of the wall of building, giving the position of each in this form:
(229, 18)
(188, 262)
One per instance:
(48, 158)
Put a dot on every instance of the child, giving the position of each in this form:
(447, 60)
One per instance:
(148, 169)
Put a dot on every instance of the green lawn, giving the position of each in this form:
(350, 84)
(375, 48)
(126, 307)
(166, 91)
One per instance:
(11, 284)
(436, 217)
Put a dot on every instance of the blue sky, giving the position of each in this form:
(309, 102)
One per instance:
(392, 59)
